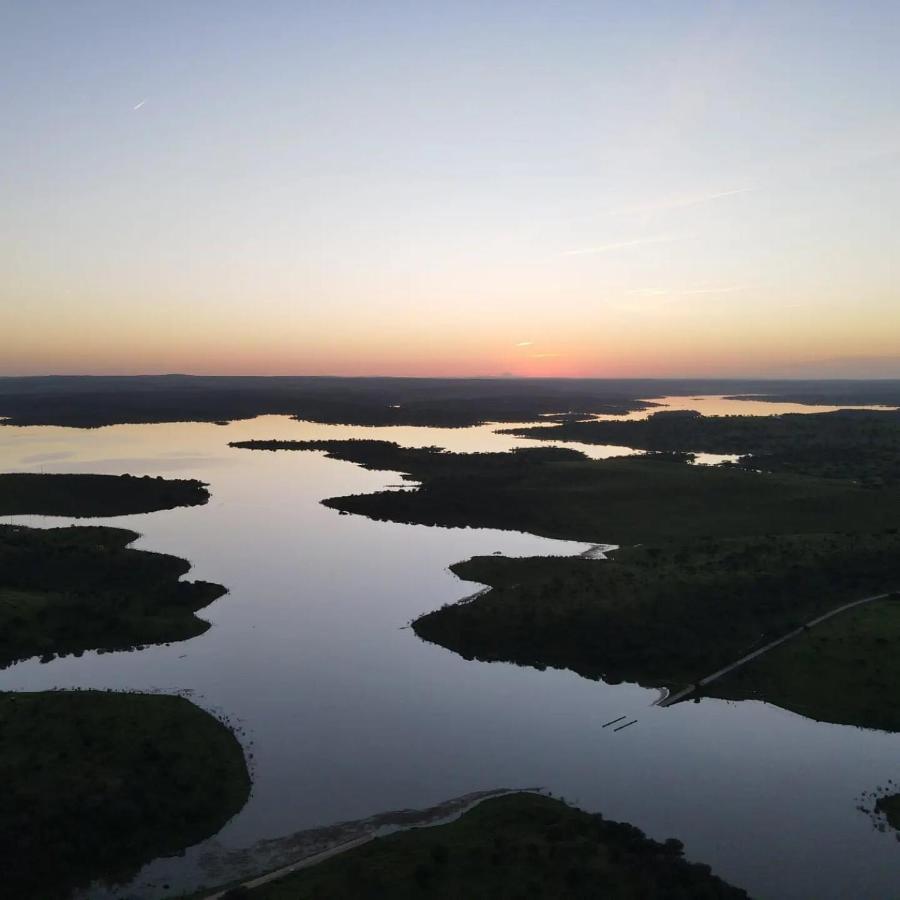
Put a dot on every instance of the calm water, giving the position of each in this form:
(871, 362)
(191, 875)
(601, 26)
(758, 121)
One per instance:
(726, 406)
(349, 714)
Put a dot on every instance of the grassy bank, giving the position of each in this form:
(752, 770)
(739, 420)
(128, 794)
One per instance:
(845, 670)
(667, 615)
(66, 590)
(560, 493)
(28, 493)
(521, 845)
(97, 784)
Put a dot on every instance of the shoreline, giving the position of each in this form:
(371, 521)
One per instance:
(442, 814)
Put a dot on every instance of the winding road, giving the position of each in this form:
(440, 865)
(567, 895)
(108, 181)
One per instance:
(671, 699)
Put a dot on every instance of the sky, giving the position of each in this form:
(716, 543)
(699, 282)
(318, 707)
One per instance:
(450, 188)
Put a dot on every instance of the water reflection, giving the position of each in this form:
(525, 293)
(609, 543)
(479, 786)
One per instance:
(349, 714)
(717, 405)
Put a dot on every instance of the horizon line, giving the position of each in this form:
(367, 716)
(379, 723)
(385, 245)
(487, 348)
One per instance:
(482, 377)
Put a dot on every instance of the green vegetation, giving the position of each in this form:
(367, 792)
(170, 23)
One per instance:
(96, 784)
(666, 615)
(66, 590)
(27, 493)
(845, 670)
(859, 444)
(560, 493)
(890, 807)
(519, 845)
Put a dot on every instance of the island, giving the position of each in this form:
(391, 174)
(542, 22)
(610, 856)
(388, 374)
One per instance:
(515, 845)
(80, 496)
(67, 590)
(96, 784)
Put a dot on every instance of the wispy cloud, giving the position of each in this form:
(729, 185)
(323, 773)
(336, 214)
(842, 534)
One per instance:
(680, 202)
(545, 355)
(708, 198)
(622, 245)
(524, 343)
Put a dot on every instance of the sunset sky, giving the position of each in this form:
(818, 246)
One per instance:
(450, 188)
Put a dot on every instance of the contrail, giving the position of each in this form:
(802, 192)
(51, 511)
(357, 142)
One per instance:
(139, 105)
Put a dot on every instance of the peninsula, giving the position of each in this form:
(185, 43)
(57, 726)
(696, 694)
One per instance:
(516, 845)
(560, 493)
(82, 496)
(95, 784)
(67, 590)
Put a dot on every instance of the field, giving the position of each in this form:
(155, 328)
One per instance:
(845, 670)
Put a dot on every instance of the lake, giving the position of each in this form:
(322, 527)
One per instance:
(347, 714)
